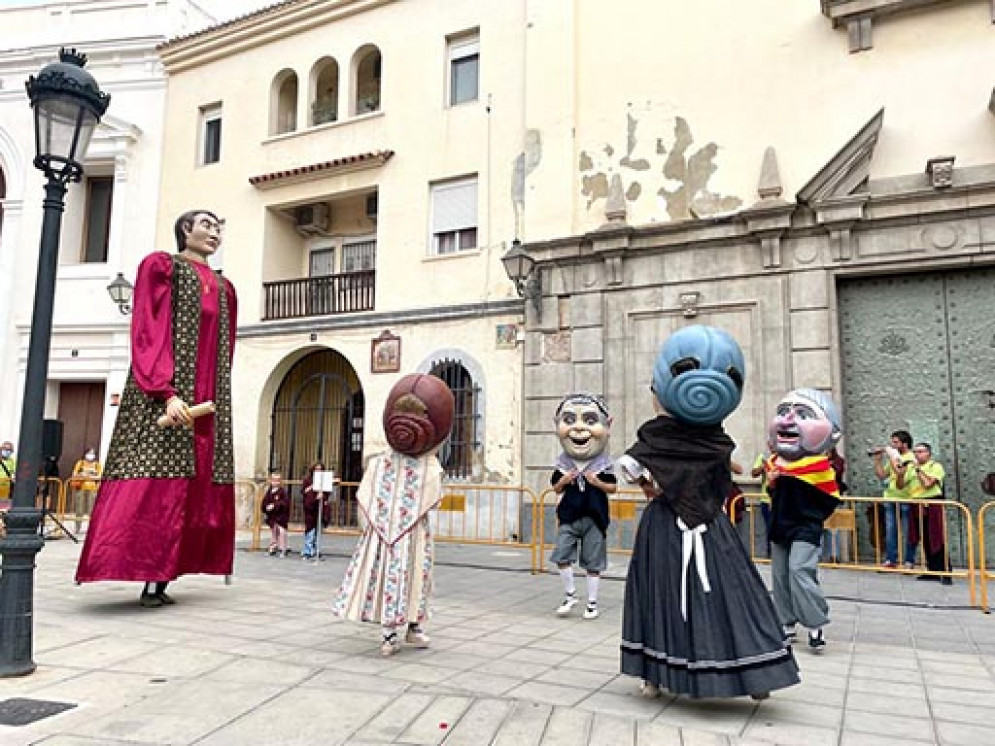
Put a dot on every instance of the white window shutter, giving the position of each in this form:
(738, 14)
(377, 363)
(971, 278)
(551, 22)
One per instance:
(454, 206)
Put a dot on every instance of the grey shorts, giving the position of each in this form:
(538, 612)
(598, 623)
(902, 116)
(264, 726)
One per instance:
(593, 549)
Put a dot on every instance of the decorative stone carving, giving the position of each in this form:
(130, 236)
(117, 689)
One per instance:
(771, 216)
(942, 237)
(769, 185)
(615, 204)
(841, 243)
(556, 347)
(848, 170)
(838, 193)
(893, 344)
(806, 252)
(858, 34)
(941, 171)
(613, 270)
(770, 249)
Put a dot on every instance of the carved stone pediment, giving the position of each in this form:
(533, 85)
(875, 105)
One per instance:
(846, 172)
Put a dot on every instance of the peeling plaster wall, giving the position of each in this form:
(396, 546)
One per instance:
(682, 103)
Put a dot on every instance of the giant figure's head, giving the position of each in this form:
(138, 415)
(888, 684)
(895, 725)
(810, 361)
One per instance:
(699, 375)
(418, 414)
(583, 425)
(806, 423)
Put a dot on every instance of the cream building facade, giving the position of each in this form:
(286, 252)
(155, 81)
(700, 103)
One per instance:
(818, 178)
(109, 221)
(363, 156)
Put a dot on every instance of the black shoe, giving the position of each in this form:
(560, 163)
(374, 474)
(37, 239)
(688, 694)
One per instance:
(929, 577)
(166, 599)
(816, 640)
(946, 581)
(150, 601)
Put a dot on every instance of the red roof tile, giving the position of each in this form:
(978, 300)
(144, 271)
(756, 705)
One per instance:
(377, 155)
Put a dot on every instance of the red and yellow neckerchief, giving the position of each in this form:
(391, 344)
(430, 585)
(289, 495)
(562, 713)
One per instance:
(815, 470)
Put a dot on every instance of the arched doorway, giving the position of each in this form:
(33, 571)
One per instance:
(318, 416)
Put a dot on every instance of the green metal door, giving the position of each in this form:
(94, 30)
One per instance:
(918, 354)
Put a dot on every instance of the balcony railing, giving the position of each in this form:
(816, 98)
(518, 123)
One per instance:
(319, 296)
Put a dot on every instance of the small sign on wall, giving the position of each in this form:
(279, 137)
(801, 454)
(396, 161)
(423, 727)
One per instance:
(385, 353)
(506, 336)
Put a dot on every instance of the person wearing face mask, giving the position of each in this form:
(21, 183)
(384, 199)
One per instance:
(166, 502)
(583, 477)
(84, 483)
(8, 465)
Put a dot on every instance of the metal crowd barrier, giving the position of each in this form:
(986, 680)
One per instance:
(512, 516)
(984, 574)
(496, 515)
(853, 554)
(625, 506)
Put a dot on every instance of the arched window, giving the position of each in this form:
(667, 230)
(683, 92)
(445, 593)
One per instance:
(283, 103)
(367, 68)
(325, 91)
(457, 453)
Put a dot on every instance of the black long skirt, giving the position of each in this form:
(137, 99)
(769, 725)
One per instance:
(731, 643)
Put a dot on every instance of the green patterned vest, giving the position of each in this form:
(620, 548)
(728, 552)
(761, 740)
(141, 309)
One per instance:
(139, 447)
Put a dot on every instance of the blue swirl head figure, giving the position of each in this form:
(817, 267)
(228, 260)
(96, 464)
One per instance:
(699, 375)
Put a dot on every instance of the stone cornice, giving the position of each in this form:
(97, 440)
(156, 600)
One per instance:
(900, 200)
(136, 50)
(256, 29)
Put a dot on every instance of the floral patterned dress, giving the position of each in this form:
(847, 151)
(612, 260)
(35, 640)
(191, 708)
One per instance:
(389, 579)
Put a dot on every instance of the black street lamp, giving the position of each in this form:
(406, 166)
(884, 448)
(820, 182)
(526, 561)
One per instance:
(521, 270)
(68, 105)
(120, 291)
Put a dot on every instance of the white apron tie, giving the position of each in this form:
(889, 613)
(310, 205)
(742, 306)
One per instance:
(691, 544)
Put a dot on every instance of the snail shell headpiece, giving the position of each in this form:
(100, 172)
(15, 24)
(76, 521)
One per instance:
(418, 414)
(699, 375)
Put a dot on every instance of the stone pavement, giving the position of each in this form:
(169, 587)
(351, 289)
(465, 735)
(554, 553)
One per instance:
(262, 661)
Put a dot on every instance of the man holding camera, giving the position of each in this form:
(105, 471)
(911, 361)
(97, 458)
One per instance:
(900, 458)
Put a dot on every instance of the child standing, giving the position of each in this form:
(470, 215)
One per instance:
(389, 579)
(276, 509)
(314, 503)
(582, 478)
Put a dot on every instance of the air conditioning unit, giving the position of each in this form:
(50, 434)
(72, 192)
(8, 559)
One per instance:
(312, 220)
(371, 206)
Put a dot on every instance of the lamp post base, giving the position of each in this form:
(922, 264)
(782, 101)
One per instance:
(17, 563)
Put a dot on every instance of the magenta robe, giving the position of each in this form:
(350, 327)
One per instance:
(159, 529)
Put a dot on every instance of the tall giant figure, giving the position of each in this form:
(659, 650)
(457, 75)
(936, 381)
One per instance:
(166, 506)
(697, 618)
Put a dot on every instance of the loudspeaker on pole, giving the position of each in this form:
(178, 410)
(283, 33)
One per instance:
(51, 439)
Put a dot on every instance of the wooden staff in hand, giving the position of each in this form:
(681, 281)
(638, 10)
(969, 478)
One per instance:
(178, 413)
